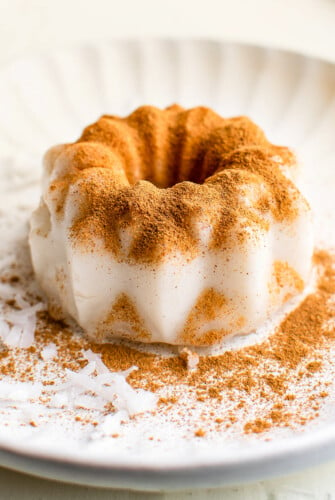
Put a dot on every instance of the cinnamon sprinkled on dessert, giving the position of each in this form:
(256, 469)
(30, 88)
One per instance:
(124, 311)
(286, 279)
(210, 305)
(147, 179)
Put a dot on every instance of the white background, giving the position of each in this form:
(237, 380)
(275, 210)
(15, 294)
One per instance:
(28, 26)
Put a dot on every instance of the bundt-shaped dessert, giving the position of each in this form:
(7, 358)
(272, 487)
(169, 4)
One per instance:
(171, 225)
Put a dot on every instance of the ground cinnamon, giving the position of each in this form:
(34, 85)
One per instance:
(154, 173)
(277, 381)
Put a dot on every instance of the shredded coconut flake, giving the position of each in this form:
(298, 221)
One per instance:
(109, 387)
(100, 366)
(22, 331)
(49, 352)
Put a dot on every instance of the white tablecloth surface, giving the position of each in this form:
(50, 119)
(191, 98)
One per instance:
(308, 26)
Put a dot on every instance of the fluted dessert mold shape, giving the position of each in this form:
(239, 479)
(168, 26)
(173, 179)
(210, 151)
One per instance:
(171, 225)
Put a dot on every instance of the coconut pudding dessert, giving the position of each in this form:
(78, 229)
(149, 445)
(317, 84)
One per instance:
(175, 226)
(181, 245)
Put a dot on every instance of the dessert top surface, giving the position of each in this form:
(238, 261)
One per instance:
(155, 174)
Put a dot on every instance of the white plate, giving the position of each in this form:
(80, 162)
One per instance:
(48, 99)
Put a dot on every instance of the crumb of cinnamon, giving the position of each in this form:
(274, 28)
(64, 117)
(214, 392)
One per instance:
(200, 432)
(314, 366)
(257, 426)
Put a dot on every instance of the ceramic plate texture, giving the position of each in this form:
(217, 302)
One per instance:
(49, 99)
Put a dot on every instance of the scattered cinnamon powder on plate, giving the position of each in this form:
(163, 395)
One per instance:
(279, 382)
(257, 426)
